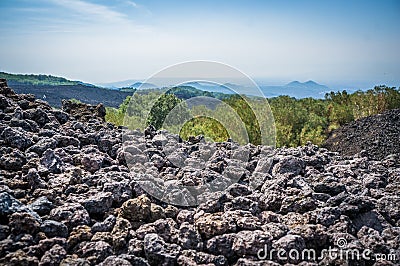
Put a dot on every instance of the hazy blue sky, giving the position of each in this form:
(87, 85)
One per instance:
(351, 43)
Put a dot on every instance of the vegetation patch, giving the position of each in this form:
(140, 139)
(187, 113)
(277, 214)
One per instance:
(297, 120)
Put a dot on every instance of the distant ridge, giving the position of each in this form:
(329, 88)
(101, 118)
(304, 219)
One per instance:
(117, 84)
(297, 89)
(294, 89)
(142, 85)
(33, 79)
(294, 83)
(211, 87)
(307, 84)
(54, 89)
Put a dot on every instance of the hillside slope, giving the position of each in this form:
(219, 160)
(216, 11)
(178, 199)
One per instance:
(378, 135)
(87, 94)
(33, 79)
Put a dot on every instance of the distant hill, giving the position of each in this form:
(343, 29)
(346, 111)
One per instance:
(143, 85)
(54, 89)
(293, 89)
(297, 89)
(31, 79)
(138, 86)
(211, 87)
(129, 84)
(186, 92)
(117, 84)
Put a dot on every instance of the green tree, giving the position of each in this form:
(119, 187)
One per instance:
(340, 109)
(242, 107)
(210, 128)
(161, 108)
(290, 117)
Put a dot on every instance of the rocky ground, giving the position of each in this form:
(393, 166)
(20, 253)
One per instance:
(67, 197)
(378, 135)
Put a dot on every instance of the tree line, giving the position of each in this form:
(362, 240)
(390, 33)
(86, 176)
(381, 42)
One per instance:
(297, 121)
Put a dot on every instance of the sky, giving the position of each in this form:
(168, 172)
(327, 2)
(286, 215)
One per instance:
(337, 43)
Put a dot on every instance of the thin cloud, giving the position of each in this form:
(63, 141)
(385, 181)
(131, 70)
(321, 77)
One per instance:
(131, 3)
(95, 11)
(138, 6)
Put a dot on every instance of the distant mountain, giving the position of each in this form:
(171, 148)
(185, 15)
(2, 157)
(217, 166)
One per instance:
(293, 89)
(117, 84)
(142, 85)
(231, 88)
(211, 87)
(306, 85)
(125, 84)
(296, 89)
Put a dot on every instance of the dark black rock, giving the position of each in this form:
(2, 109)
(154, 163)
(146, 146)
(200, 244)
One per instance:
(377, 135)
(41, 205)
(53, 229)
(52, 162)
(16, 138)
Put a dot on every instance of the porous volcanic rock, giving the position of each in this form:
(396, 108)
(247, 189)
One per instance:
(69, 197)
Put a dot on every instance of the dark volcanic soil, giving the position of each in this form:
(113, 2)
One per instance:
(90, 95)
(67, 197)
(378, 136)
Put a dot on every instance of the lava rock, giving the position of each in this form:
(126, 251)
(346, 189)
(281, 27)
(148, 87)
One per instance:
(158, 252)
(95, 252)
(377, 135)
(105, 226)
(42, 145)
(136, 210)
(71, 214)
(289, 165)
(23, 223)
(16, 138)
(52, 162)
(75, 190)
(211, 224)
(98, 203)
(12, 160)
(41, 205)
(53, 256)
(9, 205)
(54, 229)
